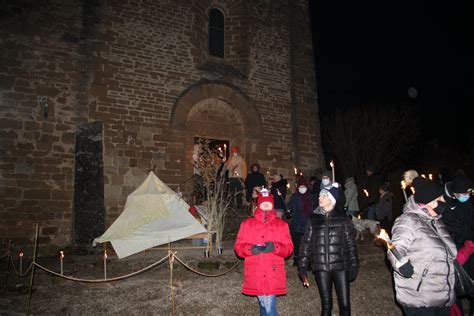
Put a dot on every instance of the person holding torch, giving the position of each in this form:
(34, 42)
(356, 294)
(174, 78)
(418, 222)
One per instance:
(423, 268)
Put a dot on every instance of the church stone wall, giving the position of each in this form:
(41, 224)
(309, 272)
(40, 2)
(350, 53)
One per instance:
(142, 70)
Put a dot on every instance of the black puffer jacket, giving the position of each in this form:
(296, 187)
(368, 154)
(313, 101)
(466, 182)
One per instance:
(329, 243)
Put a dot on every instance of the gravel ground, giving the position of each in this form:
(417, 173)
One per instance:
(149, 293)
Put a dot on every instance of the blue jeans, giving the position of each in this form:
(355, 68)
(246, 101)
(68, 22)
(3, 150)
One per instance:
(268, 305)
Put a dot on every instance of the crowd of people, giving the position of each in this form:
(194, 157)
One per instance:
(314, 226)
(435, 229)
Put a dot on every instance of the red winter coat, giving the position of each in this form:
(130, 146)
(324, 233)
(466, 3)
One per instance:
(264, 274)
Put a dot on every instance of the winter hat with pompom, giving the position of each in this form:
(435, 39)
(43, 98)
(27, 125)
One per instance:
(264, 196)
(332, 192)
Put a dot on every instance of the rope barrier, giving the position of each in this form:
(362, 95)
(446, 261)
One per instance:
(23, 274)
(205, 274)
(102, 280)
(5, 255)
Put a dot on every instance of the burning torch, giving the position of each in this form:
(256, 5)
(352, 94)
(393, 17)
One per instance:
(404, 186)
(391, 246)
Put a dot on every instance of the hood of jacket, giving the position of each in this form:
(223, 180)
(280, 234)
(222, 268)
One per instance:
(264, 216)
(335, 212)
(281, 183)
(255, 165)
(349, 181)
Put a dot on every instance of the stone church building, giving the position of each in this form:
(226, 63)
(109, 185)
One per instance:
(94, 93)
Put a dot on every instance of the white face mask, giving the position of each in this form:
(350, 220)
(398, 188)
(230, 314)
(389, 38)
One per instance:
(325, 182)
(302, 190)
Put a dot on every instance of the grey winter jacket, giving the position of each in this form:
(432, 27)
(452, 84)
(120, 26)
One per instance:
(417, 242)
(350, 191)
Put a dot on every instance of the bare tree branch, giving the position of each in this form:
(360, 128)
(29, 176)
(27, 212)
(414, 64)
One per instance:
(359, 136)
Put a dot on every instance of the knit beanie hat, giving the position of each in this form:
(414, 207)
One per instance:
(264, 196)
(426, 190)
(370, 168)
(332, 192)
(326, 173)
(235, 149)
(461, 184)
(302, 181)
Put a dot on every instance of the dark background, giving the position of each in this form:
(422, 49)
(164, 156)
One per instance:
(372, 52)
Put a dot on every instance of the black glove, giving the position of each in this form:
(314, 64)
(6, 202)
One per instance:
(303, 277)
(406, 270)
(269, 247)
(288, 214)
(352, 273)
(257, 249)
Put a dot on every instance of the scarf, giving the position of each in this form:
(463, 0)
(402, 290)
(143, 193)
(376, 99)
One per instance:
(306, 201)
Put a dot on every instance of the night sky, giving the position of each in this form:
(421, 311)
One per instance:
(372, 52)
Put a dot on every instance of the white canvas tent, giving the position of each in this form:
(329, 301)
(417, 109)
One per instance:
(153, 215)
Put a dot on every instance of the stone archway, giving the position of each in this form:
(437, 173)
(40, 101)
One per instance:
(218, 90)
(216, 110)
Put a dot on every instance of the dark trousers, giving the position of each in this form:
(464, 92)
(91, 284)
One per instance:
(325, 280)
(235, 191)
(199, 189)
(296, 239)
(426, 311)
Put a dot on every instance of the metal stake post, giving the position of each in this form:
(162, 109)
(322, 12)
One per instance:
(7, 272)
(173, 303)
(33, 269)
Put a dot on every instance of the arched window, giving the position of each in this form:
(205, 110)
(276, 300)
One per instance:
(216, 33)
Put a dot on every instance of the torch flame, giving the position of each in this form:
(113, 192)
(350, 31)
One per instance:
(366, 193)
(105, 254)
(430, 176)
(288, 185)
(61, 254)
(331, 164)
(404, 184)
(358, 216)
(21, 254)
(296, 171)
(412, 190)
(423, 175)
(384, 236)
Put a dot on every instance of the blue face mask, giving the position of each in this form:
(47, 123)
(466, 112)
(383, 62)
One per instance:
(463, 198)
(325, 182)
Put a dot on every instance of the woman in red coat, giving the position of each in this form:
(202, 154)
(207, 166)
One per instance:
(264, 241)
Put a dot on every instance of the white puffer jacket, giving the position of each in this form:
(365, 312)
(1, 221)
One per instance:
(350, 193)
(416, 241)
